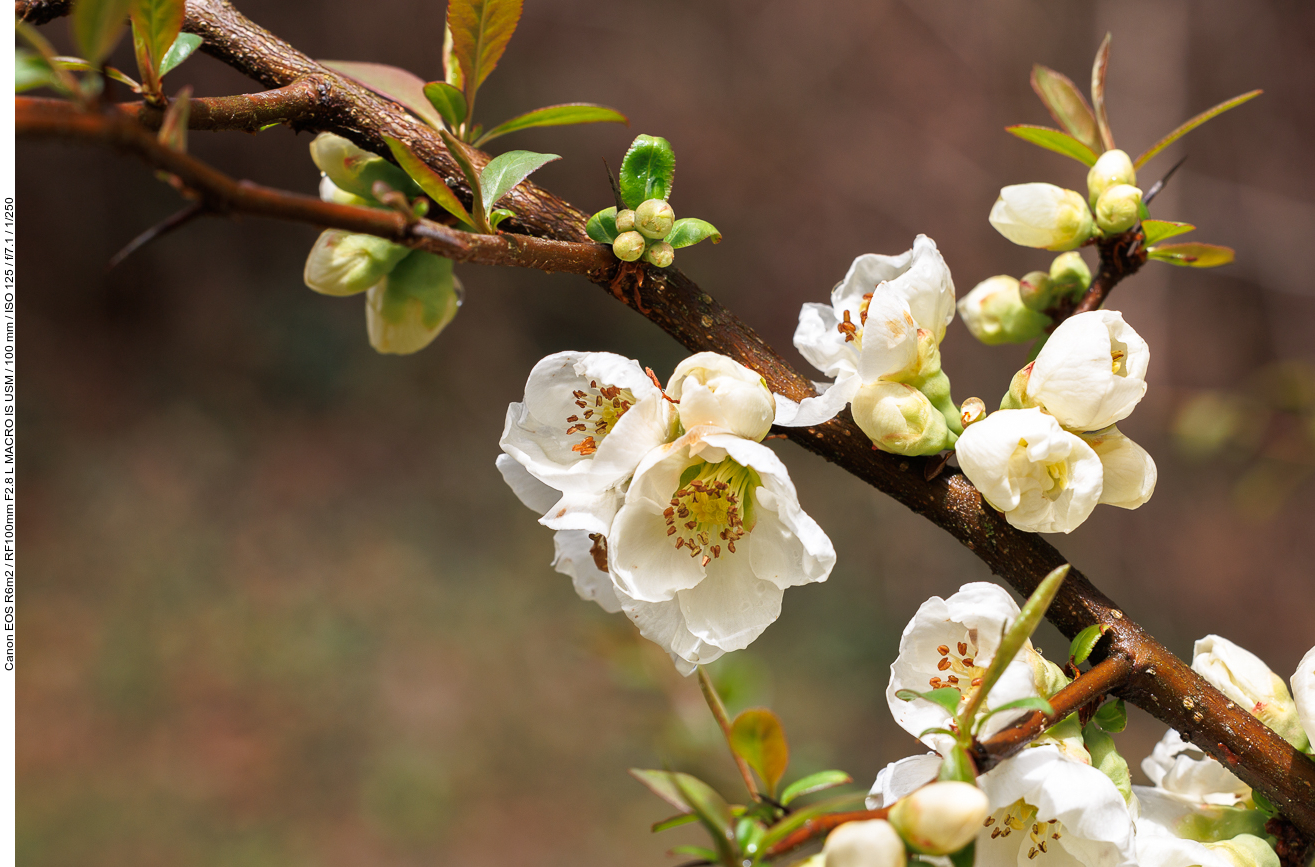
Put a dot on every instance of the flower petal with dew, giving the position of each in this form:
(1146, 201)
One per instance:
(587, 420)
(1244, 678)
(871, 328)
(1044, 479)
(715, 390)
(1186, 772)
(713, 522)
(1303, 692)
(1130, 472)
(1049, 810)
(950, 643)
(1043, 215)
(1092, 371)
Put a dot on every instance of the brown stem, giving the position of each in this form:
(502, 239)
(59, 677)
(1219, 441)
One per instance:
(819, 826)
(1120, 257)
(724, 723)
(299, 101)
(1160, 683)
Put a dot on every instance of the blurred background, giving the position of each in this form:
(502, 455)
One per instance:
(277, 605)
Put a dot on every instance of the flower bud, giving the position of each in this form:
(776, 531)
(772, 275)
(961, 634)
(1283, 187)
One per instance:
(1036, 291)
(629, 246)
(994, 313)
(872, 843)
(1303, 691)
(900, 419)
(405, 312)
(1243, 677)
(1016, 397)
(1114, 167)
(1042, 215)
(719, 391)
(941, 818)
(660, 254)
(1118, 208)
(1245, 850)
(972, 410)
(654, 219)
(1070, 274)
(354, 170)
(345, 263)
(625, 220)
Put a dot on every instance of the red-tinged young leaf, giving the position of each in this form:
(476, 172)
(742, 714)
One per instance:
(758, 737)
(448, 101)
(173, 129)
(1193, 124)
(451, 67)
(97, 27)
(662, 784)
(428, 180)
(1054, 140)
(183, 48)
(1157, 230)
(480, 32)
(397, 84)
(1098, 70)
(156, 24)
(145, 66)
(556, 115)
(1192, 255)
(80, 65)
(1066, 105)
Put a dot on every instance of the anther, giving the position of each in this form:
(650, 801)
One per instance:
(943, 665)
(943, 650)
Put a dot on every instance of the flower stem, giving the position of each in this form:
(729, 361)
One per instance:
(723, 720)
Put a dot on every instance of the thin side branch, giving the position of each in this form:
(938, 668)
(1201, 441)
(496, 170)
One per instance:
(820, 826)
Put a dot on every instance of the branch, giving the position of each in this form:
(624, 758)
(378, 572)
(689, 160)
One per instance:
(819, 826)
(300, 101)
(1120, 257)
(1160, 683)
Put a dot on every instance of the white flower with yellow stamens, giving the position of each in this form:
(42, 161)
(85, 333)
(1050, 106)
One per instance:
(587, 420)
(1091, 373)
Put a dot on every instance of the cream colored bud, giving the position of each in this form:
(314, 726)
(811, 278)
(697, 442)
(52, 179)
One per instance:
(625, 220)
(995, 314)
(941, 818)
(1114, 167)
(1042, 215)
(354, 170)
(1118, 208)
(972, 410)
(345, 263)
(899, 418)
(1070, 274)
(660, 254)
(872, 843)
(629, 246)
(1243, 677)
(654, 219)
(1036, 290)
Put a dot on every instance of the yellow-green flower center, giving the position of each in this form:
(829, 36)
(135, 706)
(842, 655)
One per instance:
(712, 509)
(601, 406)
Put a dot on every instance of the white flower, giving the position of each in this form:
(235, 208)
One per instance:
(994, 312)
(1092, 371)
(1303, 692)
(1244, 678)
(950, 643)
(1187, 772)
(1044, 479)
(871, 843)
(872, 327)
(713, 522)
(587, 421)
(1050, 811)
(1130, 472)
(1042, 215)
(406, 310)
(713, 389)
(1171, 833)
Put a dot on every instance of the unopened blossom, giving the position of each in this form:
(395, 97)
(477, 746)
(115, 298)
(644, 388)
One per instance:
(870, 843)
(942, 817)
(1130, 472)
(407, 309)
(950, 643)
(1114, 167)
(587, 420)
(994, 312)
(1042, 215)
(1091, 373)
(346, 263)
(712, 389)
(1244, 678)
(900, 419)
(885, 322)
(1044, 479)
(1303, 692)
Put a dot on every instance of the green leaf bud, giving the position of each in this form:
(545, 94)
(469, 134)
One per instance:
(941, 818)
(629, 246)
(994, 312)
(625, 220)
(1016, 397)
(1070, 273)
(899, 418)
(660, 254)
(654, 219)
(1036, 291)
(1118, 208)
(871, 843)
(1114, 167)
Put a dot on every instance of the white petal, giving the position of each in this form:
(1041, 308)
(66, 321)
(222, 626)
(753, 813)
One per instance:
(646, 564)
(815, 410)
(1243, 677)
(588, 511)
(1130, 472)
(902, 777)
(1303, 692)
(1187, 772)
(573, 556)
(533, 493)
(732, 606)
(1073, 375)
(1158, 841)
(715, 390)
(820, 341)
(663, 624)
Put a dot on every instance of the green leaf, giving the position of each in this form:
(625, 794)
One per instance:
(428, 180)
(947, 697)
(461, 156)
(397, 84)
(1112, 716)
(958, 766)
(1098, 70)
(814, 783)
(1031, 702)
(1066, 105)
(648, 170)
(798, 818)
(156, 24)
(1054, 140)
(448, 101)
(32, 71)
(1158, 230)
(602, 226)
(688, 231)
(1192, 124)
(1192, 255)
(184, 46)
(97, 27)
(556, 115)
(1106, 759)
(497, 216)
(480, 32)
(505, 171)
(965, 857)
(695, 852)
(758, 737)
(1085, 641)
(661, 784)
(674, 822)
(77, 64)
(713, 812)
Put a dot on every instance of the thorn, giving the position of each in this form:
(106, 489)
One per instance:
(164, 227)
(616, 189)
(1159, 185)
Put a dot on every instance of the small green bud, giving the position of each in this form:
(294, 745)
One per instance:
(941, 818)
(1036, 291)
(345, 263)
(628, 246)
(1070, 273)
(1118, 208)
(654, 219)
(1114, 167)
(1016, 397)
(625, 220)
(994, 313)
(972, 410)
(660, 254)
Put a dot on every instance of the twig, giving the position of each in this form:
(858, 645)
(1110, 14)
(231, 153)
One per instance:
(724, 722)
(159, 230)
(820, 825)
